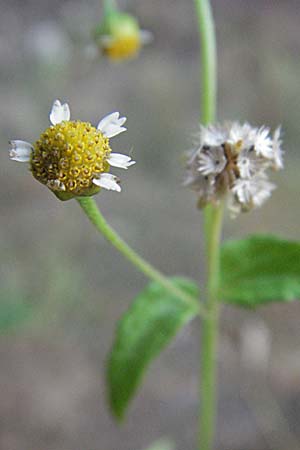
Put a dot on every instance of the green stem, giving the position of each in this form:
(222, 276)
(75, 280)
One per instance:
(208, 72)
(208, 64)
(210, 328)
(91, 209)
(212, 227)
(109, 6)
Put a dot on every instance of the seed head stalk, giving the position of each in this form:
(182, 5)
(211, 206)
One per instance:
(212, 226)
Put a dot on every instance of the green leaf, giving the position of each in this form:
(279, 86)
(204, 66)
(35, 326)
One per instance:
(15, 310)
(145, 329)
(259, 270)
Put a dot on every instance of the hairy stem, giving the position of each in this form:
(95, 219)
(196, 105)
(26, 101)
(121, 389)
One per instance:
(212, 227)
(208, 63)
(210, 329)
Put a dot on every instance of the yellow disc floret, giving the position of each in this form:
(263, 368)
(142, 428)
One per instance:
(68, 156)
(122, 47)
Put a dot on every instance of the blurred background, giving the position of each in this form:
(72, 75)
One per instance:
(63, 288)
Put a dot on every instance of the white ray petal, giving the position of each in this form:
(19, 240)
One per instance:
(20, 151)
(277, 150)
(106, 40)
(59, 112)
(119, 160)
(111, 125)
(146, 37)
(108, 181)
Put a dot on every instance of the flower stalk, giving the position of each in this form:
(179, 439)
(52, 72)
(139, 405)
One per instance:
(92, 211)
(212, 227)
(210, 331)
(208, 63)
(109, 6)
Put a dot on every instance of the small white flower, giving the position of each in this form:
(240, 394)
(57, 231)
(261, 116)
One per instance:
(262, 191)
(119, 160)
(277, 150)
(212, 135)
(242, 189)
(20, 151)
(249, 163)
(108, 181)
(241, 134)
(253, 192)
(212, 161)
(111, 125)
(59, 112)
(263, 143)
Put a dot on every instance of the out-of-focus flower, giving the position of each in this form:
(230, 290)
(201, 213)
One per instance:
(255, 345)
(232, 160)
(48, 44)
(72, 158)
(118, 35)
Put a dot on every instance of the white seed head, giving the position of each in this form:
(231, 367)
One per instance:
(233, 160)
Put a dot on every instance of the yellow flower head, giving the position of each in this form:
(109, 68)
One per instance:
(119, 36)
(72, 158)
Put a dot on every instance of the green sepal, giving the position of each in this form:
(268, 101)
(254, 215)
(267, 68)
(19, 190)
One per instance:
(259, 270)
(116, 23)
(64, 196)
(146, 328)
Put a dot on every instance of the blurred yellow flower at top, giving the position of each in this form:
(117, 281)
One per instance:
(119, 36)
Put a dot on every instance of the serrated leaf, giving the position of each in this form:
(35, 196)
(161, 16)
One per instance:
(152, 320)
(259, 270)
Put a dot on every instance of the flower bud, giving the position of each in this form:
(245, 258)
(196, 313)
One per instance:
(119, 36)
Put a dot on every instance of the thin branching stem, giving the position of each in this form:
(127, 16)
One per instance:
(92, 211)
